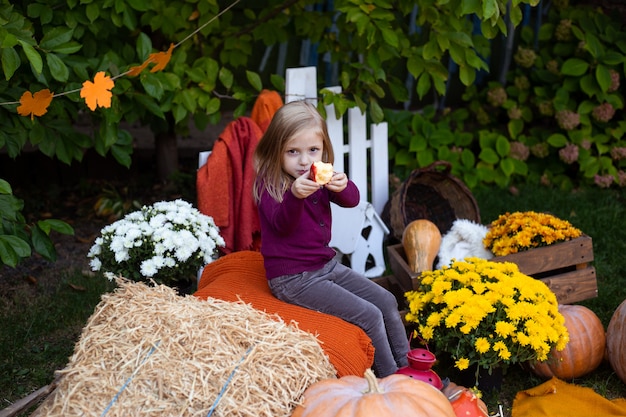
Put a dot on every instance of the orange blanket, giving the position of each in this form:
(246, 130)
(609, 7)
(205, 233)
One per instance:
(241, 275)
(224, 186)
(556, 398)
(264, 108)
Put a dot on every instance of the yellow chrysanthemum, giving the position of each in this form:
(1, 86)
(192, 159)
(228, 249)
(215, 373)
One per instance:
(520, 231)
(462, 364)
(482, 345)
(474, 307)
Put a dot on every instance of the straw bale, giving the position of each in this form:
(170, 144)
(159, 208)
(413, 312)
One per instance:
(148, 351)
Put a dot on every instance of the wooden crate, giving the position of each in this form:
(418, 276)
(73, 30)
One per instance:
(564, 267)
(407, 279)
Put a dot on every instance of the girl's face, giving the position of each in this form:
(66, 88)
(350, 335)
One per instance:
(301, 151)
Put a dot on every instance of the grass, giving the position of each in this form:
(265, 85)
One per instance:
(39, 326)
(38, 329)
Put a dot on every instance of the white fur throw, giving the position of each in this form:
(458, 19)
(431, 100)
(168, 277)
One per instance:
(463, 240)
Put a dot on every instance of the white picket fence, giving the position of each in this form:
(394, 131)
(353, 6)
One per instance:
(357, 233)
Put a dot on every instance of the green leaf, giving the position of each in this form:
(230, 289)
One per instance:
(515, 127)
(603, 76)
(43, 244)
(5, 187)
(574, 67)
(490, 9)
(10, 62)
(255, 80)
(188, 100)
(589, 85)
(152, 85)
(58, 69)
(390, 37)
(55, 37)
(179, 112)
(508, 166)
(226, 77)
(502, 146)
(467, 75)
(10, 206)
(423, 85)
(593, 45)
(33, 56)
(468, 158)
(57, 225)
(376, 112)
(612, 58)
(557, 140)
(144, 46)
(488, 155)
(68, 48)
(92, 11)
(12, 249)
(150, 105)
(415, 65)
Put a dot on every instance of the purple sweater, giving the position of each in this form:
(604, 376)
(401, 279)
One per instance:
(296, 232)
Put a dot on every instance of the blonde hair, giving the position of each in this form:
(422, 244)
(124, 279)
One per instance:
(289, 121)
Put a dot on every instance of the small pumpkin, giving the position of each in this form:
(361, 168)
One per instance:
(616, 340)
(465, 402)
(421, 240)
(392, 396)
(585, 350)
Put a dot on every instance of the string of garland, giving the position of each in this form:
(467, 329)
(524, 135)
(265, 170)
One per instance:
(98, 93)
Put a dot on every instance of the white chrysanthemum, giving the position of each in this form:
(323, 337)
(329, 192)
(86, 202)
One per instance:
(121, 256)
(166, 241)
(117, 244)
(95, 264)
(148, 268)
(95, 250)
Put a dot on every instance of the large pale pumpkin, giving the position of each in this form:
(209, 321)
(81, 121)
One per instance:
(393, 396)
(421, 240)
(616, 341)
(584, 351)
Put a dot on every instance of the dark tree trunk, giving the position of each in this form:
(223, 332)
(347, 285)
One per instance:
(166, 153)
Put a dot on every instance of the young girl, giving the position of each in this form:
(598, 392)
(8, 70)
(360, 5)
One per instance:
(295, 218)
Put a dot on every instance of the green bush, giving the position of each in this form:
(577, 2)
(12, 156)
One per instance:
(556, 120)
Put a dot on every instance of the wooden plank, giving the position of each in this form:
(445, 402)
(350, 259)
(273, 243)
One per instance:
(397, 261)
(549, 258)
(23, 404)
(574, 286)
(379, 134)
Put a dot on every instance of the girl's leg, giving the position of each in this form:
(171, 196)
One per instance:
(386, 303)
(341, 292)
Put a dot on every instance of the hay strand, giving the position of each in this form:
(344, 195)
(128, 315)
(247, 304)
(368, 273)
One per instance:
(146, 350)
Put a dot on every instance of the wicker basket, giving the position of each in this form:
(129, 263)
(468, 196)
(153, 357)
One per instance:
(434, 194)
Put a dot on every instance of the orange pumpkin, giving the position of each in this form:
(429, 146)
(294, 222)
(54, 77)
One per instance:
(585, 350)
(421, 240)
(393, 396)
(616, 340)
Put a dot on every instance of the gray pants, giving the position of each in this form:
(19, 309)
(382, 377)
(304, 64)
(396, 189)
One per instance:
(339, 291)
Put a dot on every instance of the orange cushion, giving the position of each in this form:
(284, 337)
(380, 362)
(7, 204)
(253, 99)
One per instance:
(241, 275)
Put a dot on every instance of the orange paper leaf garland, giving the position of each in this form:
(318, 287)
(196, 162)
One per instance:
(98, 92)
(34, 104)
(160, 59)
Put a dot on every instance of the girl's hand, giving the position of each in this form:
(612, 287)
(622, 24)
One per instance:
(304, 186)
(338, 182)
